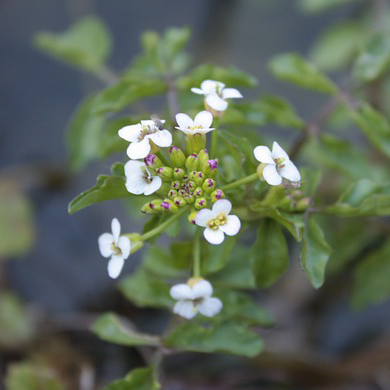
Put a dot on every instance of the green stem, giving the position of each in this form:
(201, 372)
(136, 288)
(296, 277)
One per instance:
(162, 158)
(159, 229)
(196, 265)
(244, 180)
(214, 140)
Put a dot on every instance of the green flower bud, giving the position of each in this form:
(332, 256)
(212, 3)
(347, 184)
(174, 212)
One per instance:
(208, 186)
(178, 173)
(152, 207)
(217, 195)
(172, 194)
(176, 185)
(199, 178)
(152, 161)
(177, 157)
(166, 173)
(191, 217)
(303, 204)
(192, 162)
(203, 156)
(189, 198)
(198, 192)
(179, 201)
(209, 168)
(200, 203)
(195, 143)
(169, 207)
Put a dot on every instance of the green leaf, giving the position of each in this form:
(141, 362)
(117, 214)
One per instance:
(16, 221)
(337, 46)
(85, 45)
(371, 278)
(83, 135)
(139, 379)
(110, 327)
(29, 376)
(315, 253)
(374, 59)
(269, 254)
(146, 290)
(314, 6)
(226, 337)
(106, 188)
(375, 127)
(291, 67)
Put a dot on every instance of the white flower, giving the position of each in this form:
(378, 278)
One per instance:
(115, 246)
(140, 136)
(218, 222)
(216, 94)
(193, 297)
(139, 180)
(201, 124)
(278, 165)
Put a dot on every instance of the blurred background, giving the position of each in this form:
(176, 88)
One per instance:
(56, 270)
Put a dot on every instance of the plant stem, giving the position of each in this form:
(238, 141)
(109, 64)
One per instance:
(244, 180)
(162, 158)
(214, 140)
(159, 229)
(196, 264)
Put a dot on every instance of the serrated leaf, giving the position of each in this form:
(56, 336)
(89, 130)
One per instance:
(85, 45)
(226, 337)
(110, 327)
(138, 379)
(269, 254)
(315, 253)
(291, 67)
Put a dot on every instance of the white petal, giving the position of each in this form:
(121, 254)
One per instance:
(203, 216)
(124, 244)
(116, 229)
(214, 237)
(162, 138)
(222, 206)
(232, 226)
(185, 309)
(278, 152)
(137, 150)
(215, 102)
(181, 291)
(290, 171)
(228, 93)
(130, 133)
(148, 123)
(271, 175)
(105, 241)
(135, 182)
(263, 155)
(184, 121)
(204, 119)
(153, 186)
(202, 289)
(115, 266)
(210, 307)
(197, 91)
(210, 86)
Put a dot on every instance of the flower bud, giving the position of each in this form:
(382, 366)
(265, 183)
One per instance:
(200, 203)
(152, 207)
(199, 178)
(185, 178)
(136, 241)
(181, 192)
(195, 142)
(191, 217)
(191, 185)
(192, 162)
(179, 201)
(177, 157)
(172, 194)
(166, 173)
(217, 195)
(198, 192)
(189, 198)
(176, 185)
(209, 168)
(208, 186)
(303, 204)
(151, 160)
(168, 206)
(178, 173)
(203, 156)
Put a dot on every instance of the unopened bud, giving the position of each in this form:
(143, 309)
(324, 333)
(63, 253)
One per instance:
(152, 207)
(191, 217)
(178, 173)
(200, 203)
(203, 156)
(217, 195)
(208, 186)
(192, 162)
(177, 157)
(198, 192)
(151, 160)
(168, 206)
(166, 173)
(189, 198)
(172, 194)
(303, 204)
(176, 184)
(199, 178)
(179, 201)
(210, 168)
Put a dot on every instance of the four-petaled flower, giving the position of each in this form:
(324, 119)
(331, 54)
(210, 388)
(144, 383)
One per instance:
(216, 94)
(193, 297)
(139, 180)
(116, 247)
(141, 134)
(201, 124)
(218, 222)
(278, 165)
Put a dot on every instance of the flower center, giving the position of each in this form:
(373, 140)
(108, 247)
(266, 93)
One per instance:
(218, 90)
(147, 130)
(279, 162)
(115, 249)
(146, 175)
(221, 220)
(194, 127)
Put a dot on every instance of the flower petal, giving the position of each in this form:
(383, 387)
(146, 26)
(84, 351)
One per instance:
(215, 102)
(214, 237)
(135, 182)
(181, 291)
(232, 226)
(124, 245)
(222, 206)
(162, 138)
(228, 93)
(202, 289)
(184, 121)
(278, 152)
(290, 171)
(197, 91)
(204, 119)
(185, 309)
(137, 150)
(115, 266)
(271, 176)
(210, 307)
(105, 241)
(130, 133)
(116, 229)
(153, 186)
(210, 86)
(148, 123)
(263, 155)
(203, 216)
